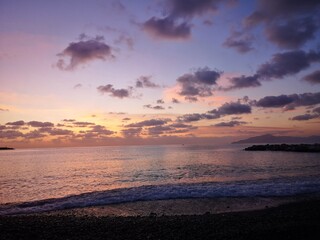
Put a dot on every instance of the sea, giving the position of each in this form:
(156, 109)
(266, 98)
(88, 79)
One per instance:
(47, 179)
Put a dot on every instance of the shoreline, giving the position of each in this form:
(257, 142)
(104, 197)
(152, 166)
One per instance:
(184, 206)
(299, 219)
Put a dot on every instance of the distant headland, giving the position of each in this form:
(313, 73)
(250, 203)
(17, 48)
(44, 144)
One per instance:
(268, 138)
(6, 148)
(286, 147)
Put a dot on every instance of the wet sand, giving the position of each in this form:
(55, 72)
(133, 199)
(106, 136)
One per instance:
(299, 218)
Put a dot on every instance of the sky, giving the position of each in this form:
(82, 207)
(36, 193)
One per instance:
(123, 72)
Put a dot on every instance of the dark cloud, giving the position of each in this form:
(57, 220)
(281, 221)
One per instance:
(126, 119)
(193, 117)
(313, 78)
(232, 108)
(191, 8)
(191, 99)
(83, 52)
(230, 124)
(316, 110)
(242, 82)
(68, 120)
(10, 134)
(157, 130)
(131, 132)
(292, 34)
(175, 24)
(119, 93)
(17, 123)
(34, 134)
(174, 100)
(157, 107)
(160, 101)
(289, 102)
(181, 125)
(59, 132)
(148, 123)
(167, 28)
(198, 83)
(287, 63)
(288, 24)
(37, 124)
(100, 130)
(276, 101)
(145, 82)
(240, 41)
(4, 109)
(305, 117)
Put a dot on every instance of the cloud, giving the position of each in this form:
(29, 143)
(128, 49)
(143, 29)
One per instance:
(160, 101)
(83, 124)
(4, 109)
(198, 83)
(191, 8)
(148, 123)
(242, 82)
(77, 86)
(83, 52)
(305, 117)
(10, 134)
(292, 34)
(316, 110)
(38, 124)
(157, 107)
(68, 120)
(145, 82)
(117, 113)
(131, 132)
(174, 100)
(230, 124)
(59, 132)
(287, 63)
(288, 24)
(17, 123)
(119, 93)
(167, 29)
(100, 130)
(240, 41)
(289, 102)
(175, 24)
(232, 108)
(313, 78)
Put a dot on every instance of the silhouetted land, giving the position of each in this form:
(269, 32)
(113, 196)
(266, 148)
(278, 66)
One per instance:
(286, 147)
(6, 148)
(291, 221)
(268, 138)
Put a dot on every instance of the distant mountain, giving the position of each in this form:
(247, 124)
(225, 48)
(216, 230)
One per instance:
(268, 138)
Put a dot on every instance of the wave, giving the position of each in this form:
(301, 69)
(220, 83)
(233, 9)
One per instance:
(260, 188)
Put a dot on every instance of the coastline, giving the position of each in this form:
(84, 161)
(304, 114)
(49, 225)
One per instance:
(298, 219)
(184, 206)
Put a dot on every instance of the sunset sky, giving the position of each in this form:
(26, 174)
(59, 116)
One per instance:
(114, 72)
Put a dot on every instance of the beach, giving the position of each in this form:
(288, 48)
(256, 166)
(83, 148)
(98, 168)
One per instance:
(286, 218)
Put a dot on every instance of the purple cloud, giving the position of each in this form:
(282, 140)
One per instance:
(313, 78)
(83, 52)
(118, 93)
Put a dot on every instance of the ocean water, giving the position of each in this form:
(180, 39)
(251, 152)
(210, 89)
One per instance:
(35, 180)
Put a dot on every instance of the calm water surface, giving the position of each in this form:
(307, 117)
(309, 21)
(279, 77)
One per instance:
(36, 174)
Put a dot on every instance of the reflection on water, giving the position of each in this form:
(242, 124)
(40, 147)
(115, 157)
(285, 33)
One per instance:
(27, 175)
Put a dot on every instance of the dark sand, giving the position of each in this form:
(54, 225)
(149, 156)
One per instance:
(299, 219)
